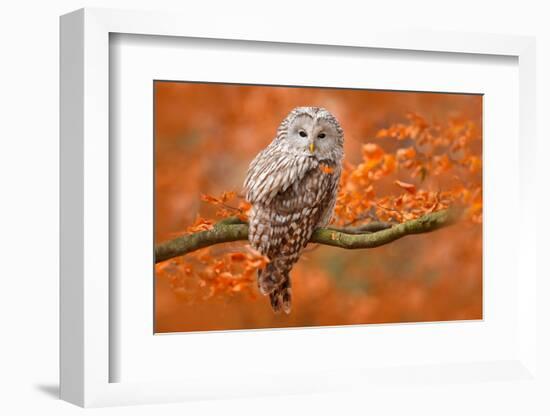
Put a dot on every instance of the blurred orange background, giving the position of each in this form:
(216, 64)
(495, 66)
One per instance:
(205, 137)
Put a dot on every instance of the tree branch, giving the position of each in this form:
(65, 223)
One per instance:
(368, 236)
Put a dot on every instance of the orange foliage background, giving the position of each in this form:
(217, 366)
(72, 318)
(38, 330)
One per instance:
(407, 154)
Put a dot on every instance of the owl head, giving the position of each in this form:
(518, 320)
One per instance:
(312, 132)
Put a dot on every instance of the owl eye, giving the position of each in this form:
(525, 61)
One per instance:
(302, 133)
(321, 135)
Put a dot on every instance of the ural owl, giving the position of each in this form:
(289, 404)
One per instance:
(292, 185)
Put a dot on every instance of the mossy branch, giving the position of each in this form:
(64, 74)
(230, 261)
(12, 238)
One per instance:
(368, 236)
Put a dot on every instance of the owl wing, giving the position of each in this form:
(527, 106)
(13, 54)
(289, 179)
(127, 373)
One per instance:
(332, 183)
(272, 172)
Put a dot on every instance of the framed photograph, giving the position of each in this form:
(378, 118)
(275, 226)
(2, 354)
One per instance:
(236, 224)
(375, 185)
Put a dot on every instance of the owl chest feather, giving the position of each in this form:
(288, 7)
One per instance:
(306, 194)
(284, 225)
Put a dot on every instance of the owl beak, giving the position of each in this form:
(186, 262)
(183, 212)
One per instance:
(311, 147)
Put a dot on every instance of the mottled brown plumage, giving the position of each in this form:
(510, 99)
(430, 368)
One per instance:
(292, 185)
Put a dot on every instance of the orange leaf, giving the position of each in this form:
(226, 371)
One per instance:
(237, 256)
(201, 224)
(382, 133)
(326, 169)
(372, 151)
(406, 153)
(223, 213)
(409, 187)
(210, 199)
(226, 196)
(244, 206)
(389, 164)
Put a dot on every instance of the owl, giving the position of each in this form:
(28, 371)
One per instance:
(292, 186)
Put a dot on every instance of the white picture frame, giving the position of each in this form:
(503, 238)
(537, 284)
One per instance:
(86, 356)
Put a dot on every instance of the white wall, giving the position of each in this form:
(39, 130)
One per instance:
(29, 207)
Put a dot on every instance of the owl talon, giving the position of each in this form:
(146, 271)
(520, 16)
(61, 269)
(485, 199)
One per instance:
(265, 291)
(276, 301)
(281, 300)
(267, 286)
(287, 303)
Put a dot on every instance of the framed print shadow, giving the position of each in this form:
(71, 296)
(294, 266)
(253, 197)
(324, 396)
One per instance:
(290, 207)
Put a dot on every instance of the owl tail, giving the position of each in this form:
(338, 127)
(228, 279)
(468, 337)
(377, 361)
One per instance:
(274, 281)
(281, 298)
